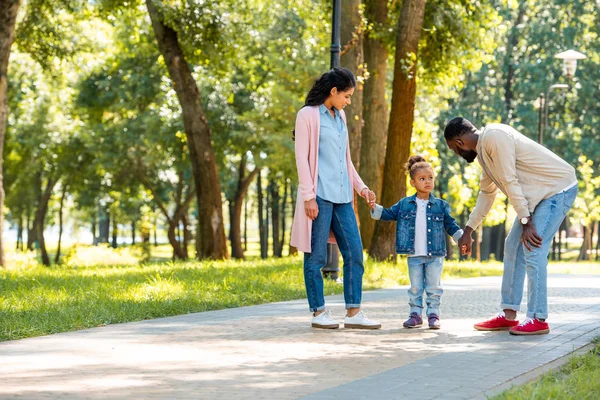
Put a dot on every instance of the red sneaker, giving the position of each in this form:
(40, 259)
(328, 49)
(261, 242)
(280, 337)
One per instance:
(531, 326)
(498, 323)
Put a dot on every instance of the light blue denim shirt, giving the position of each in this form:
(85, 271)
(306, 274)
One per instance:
(334, 183)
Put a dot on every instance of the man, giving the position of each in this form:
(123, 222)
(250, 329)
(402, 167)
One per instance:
(541, 187)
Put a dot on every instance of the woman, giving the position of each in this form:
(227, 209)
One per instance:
(326, 178)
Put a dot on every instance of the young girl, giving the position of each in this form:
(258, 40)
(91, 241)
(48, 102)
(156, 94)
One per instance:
(326, 178)
(422, 221)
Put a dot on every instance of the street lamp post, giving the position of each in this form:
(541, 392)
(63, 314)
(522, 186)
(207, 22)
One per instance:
(569, 58)
(332, 268)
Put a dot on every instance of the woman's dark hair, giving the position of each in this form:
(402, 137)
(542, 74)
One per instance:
(338, 77)
(416, 163)
(457, 127)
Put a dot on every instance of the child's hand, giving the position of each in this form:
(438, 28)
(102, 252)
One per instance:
(370, 197)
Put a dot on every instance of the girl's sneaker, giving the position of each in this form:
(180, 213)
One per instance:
(434, 321)
(414, 321)
(324, 321)
(530, 326)
(497, 323)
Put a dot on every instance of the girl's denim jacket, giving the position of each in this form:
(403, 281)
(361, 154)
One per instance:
(439, 221)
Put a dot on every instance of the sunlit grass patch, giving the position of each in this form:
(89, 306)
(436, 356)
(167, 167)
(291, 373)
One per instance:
(578, 379)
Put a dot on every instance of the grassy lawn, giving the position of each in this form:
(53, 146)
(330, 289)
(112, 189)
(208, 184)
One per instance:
(36, 300)
(578, 379)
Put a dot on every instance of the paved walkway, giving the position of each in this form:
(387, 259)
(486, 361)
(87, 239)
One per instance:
(270, 351)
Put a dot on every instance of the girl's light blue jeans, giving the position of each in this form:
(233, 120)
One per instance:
(518, 261)
(425, 274)
(340, 219)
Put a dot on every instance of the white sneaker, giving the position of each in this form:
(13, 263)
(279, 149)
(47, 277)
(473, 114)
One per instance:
(324, 321)
(360, 321)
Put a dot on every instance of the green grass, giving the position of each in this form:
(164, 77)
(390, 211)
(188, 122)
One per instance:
(578, 379)
(36, 300)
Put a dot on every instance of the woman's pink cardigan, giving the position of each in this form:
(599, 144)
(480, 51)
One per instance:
(307, 161)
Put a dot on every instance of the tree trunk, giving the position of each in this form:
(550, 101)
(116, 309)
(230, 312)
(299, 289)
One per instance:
(103, 224)
(585, 246)
(94, 237)
(40, 218)
(8, 20)
(246, 223)
(283, 214)
(401, 122)
(60, 224)
(115, 232)
(352, 57)
(171, 235)
(235, 216)
(20, 233)
(33, 229)
(293, 192)
(275, 216)
(375, 113)
(187, 237)
(155, 229)
(211, 241)
(261, 219)
(133, 233)
(598, 237)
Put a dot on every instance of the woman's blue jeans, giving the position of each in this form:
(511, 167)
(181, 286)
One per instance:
(340, 219)
(518, 261)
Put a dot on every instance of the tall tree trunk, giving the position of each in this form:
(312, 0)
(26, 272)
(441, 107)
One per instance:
(352, 57)
(155, 229)
(41, 217)
(103, 223)
(246, 223)
(235, 216)
(115, 232)
(94, 237)
(172, 236)
(275, 216)
(20, 233)
(187, 237)
(293, 192)
(585, 246)
(400, 128)
(133, 232)
(261, 219)
(8, 20)
(60, 224)
(375, 111)
(283, 214)
(598, 235)
(211, 241)
(32, 230)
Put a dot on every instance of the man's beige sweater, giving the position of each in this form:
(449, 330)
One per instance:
(525, 171)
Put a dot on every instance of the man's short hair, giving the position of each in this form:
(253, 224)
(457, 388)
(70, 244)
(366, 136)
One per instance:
(457, 127)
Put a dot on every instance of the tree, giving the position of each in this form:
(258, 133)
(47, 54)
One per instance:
(8, 20)
(352, 57)
(401, 120)
(375, 109)
(210, 241)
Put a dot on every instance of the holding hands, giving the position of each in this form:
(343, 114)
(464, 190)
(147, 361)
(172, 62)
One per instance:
(311, 208)
(369, 197)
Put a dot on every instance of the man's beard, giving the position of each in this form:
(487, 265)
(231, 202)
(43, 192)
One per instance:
(468, 155)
